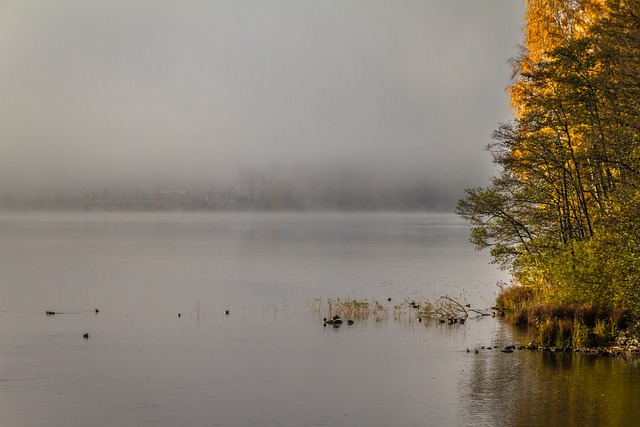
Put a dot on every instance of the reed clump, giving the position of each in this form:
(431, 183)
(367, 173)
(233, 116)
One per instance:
(561, 325)
(410, 307)
(350, 308)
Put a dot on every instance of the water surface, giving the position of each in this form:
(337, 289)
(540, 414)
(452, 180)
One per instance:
(270, 361)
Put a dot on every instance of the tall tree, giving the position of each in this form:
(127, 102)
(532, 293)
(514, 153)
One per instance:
(569, 180)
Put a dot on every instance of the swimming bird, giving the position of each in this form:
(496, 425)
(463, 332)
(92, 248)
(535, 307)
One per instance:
(226, 312)
(86, 336)
(179, 315)
(349, 322)
(97, 311)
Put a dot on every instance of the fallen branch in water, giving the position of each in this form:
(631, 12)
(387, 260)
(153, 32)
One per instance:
(455, 303)
(480, 313)
(446, 309)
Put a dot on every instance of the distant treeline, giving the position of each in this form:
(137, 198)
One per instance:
(254, 190)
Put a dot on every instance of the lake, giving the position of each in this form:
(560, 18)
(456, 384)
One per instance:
(271, 361)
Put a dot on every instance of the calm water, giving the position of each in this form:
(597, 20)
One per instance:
(270, 362)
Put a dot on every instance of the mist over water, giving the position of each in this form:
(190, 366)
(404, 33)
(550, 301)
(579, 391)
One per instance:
(378, 96)
(253, 105)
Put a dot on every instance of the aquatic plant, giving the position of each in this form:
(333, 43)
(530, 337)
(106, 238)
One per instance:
(579, 334)
(349, 308)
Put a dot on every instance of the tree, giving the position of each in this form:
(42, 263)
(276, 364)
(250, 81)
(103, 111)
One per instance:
(565, 200)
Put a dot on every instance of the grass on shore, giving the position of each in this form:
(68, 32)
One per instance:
(561, 325)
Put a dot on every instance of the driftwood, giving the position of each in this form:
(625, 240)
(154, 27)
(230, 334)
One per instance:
(447, 309)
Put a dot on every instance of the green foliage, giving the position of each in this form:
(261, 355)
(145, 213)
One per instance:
(577, 274)
(564, 324)
(580, 334)
(562, 214)
(602, 333)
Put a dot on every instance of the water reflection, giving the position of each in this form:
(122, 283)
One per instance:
(270, 361)
(531, 388)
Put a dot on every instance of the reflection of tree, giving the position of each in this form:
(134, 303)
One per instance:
(531, 388)
(486, 392)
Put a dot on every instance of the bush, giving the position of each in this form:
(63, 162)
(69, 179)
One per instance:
(561, 325)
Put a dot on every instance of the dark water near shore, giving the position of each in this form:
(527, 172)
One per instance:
(270, 361)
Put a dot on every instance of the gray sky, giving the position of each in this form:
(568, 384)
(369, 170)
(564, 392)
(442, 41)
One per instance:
(175, 94)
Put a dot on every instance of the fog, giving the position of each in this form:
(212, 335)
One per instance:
(182, 95)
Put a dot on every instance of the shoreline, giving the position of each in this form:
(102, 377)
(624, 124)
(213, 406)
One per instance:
(624, 346)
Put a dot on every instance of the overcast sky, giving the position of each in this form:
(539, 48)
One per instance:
(175, 94)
